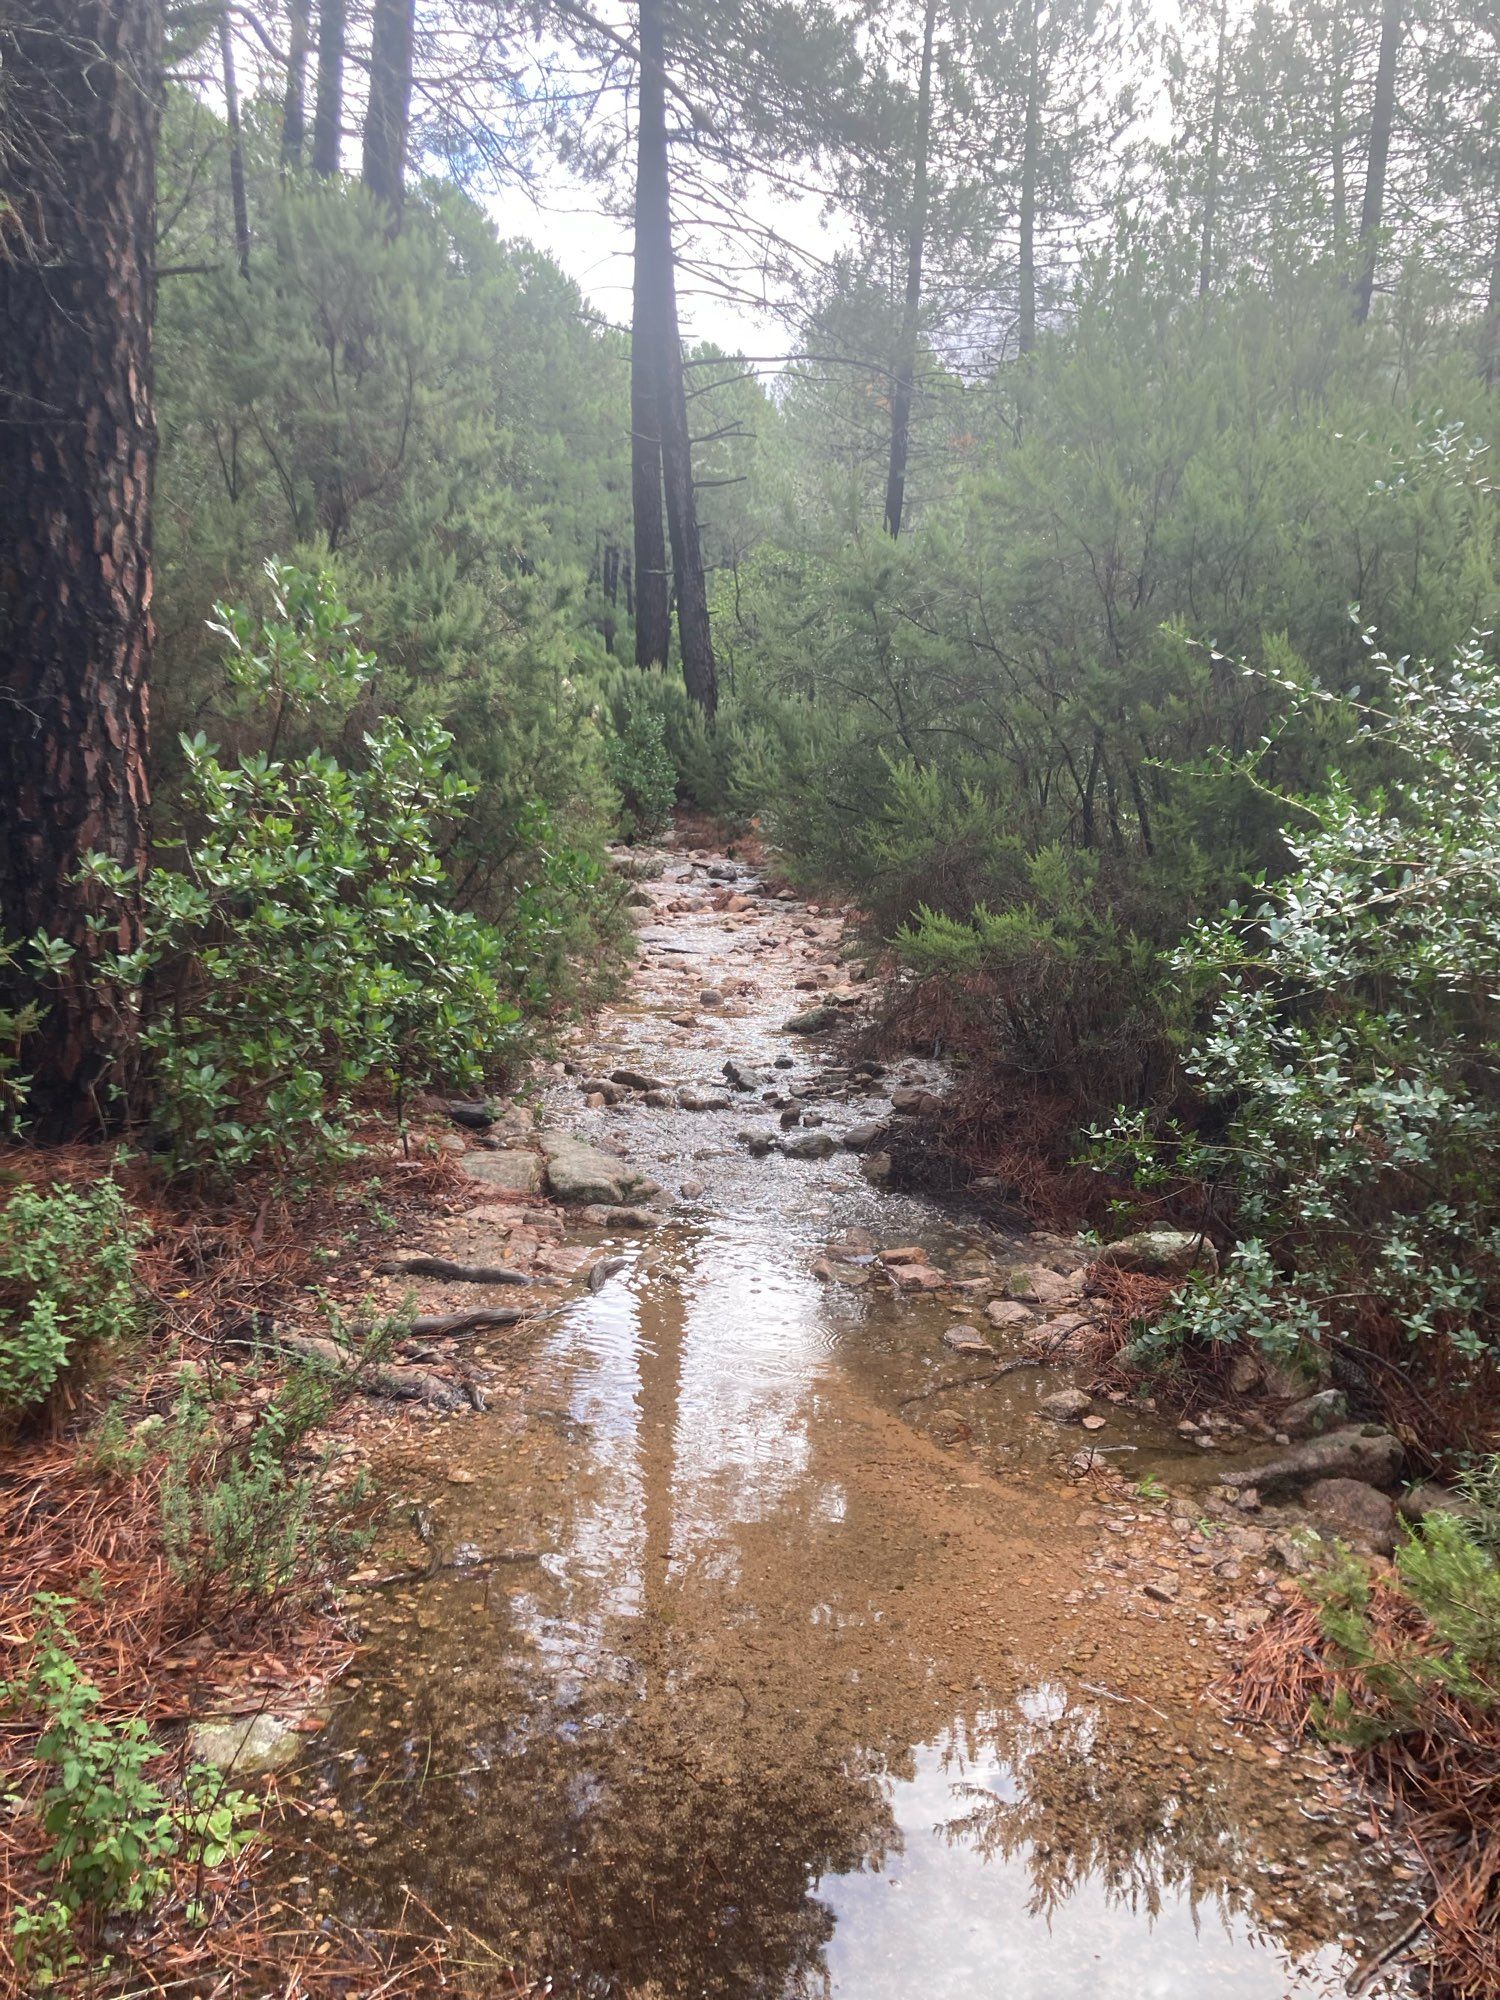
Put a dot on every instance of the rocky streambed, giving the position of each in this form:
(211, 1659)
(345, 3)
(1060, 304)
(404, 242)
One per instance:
(780, 1611)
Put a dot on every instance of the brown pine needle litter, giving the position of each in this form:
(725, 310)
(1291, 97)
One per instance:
(71, 1526)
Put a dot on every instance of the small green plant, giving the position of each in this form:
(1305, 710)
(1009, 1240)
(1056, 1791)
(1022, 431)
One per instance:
(1150, 1488)
(640, 766)
(67, 1284)
(114, 1826)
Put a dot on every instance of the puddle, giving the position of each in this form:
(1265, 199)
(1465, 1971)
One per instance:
(760, 1668)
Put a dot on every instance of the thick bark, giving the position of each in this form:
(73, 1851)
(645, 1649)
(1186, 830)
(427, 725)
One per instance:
(77, 450)
(1382, 115)
(388, 116)
(1030, 155)
(652, 276)
(294, 103)
(916, 247)
(238, 203)
(1206, 242)
(328, 109)
(694, 631)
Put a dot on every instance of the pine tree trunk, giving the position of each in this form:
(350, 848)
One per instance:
(388, 116)
(77, 450)
(1382, 117)
(652, 277)
(1211, 178)
(1030, 152)
(1336, 113)
(294, 103)
(694, 631)
(916, 248)
(1490, 334)
(328, 110)
(239, 206)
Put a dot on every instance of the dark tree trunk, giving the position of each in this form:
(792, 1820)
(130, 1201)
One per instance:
(1336, 137)
(77, 448)
(1212, 171)
(238, 203)
(328, 110)
(694, 631)
(916, 247)
(1031, 147)
(294, 104)
(652, 276)
(1382, 116)
(388, 116)
(1489, 359)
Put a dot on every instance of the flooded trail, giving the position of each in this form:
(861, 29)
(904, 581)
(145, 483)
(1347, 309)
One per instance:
(766, 1647)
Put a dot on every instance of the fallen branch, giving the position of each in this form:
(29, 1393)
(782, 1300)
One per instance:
(400, 1385)
(438, 1326)
(972, 1381)
(459, 1274)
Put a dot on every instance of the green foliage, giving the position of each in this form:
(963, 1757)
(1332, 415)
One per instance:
(67, 1285)
(308, 947)
(635, 754)
(114, 1827)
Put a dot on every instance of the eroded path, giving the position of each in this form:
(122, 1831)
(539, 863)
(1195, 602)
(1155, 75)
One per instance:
(765, 1649)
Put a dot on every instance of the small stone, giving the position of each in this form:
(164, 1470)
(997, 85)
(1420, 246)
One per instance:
(1161, 1253)
(810, 1146)
(1095, 1423)
(1008, 1315)
(964, 1340)
(1067, 1406)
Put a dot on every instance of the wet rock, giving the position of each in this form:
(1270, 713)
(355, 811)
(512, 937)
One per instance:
(815, 1021)
(473, 1117)
(1034, 1284)
(1008, 1315)
(1419, 1503)
(637, 1079)
(916, 1277)
(702, 1100)
(613, 1215)
(1353, 1511)
(1160, 1253)
(659, 1100)
(743, 1076)
(1067, 1406)
(915, 1102)
(876, 1167)
(516, 1172)
(579, 1172)
(860, 1138)
(810, 1146)
(710, 997)
(964, 1340)
(1371, 1456)
(1323, 1411)
(248, 1746)
(758, 1144)
(790, 1117)
(691, 1190)
(723, 871)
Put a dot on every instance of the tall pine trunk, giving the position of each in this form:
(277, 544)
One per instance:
(1206, 245)
(1382, 116)
(239, 205)
(294, 102)
(328, 108)
(694, 630)
(916, 249)
(388, 115)
(1489, 360)
(77, 452)
(652, 277)
(1030, 167)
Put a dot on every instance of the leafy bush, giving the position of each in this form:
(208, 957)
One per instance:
(635, 754)
(115, 1828)
(1351, 1058)
(307, 947)
(67, 1284)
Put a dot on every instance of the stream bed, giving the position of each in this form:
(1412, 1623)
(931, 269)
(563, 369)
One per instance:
(766, 1651)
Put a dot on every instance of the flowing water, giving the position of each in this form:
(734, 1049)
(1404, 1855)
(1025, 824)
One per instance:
(770, 1653)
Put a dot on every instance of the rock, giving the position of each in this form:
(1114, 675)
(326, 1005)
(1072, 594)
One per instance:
(916, 1277)
(877, 1166)
(514, 1173)
(1353, 1511)
(579, 1172)
(603, 1215)
(1008, 1315)
(741, 1076)
(1417, 1503)
(1244, 1375)
(1323, 1411)
(474, 1117)
(860, 1138)
(1067, 1406)
(1160, 1253)
(1036, 1285)
(710, 997)
(636, 1079)
(702, 1100)
(916, 1102)
(810, 1146)
(247, 1746)
(691, 1190)
(1372, 1456)
(964, 1340)
(758, 1144)
(814, 1022)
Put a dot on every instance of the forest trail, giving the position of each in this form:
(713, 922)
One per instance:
(765, 1645)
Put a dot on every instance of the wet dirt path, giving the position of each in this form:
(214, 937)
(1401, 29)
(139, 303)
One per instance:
(767, 1647)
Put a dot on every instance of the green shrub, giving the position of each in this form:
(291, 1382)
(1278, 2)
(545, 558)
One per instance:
(67, 1285)
(307, 947)
(635, 754)
(114, 1827)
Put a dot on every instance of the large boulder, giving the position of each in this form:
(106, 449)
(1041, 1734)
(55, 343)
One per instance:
(579, 1172)
(1160, 1253)
(1354, 1512)
(1370, 1455)
(515, 1172)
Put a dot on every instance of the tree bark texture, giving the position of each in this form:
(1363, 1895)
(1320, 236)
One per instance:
(238, 202)
(328, 107)
(651, 273)
(294, 102)
(916, 246)
(1382, 116)
(77, 451)
(1206, 242)
(1030, 167)
(388, 115)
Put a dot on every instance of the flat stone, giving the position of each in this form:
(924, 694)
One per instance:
(1370, 1456)
(247, 1746)
(1036, 1285)
(1067, 1406)
(1008, 1315)
(916, 1102)
(1160, 1253)
(517, 1172)
(579, 1172)
(809, 1146)
(964, 1340)
(637, 1079)
(702, 1100)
